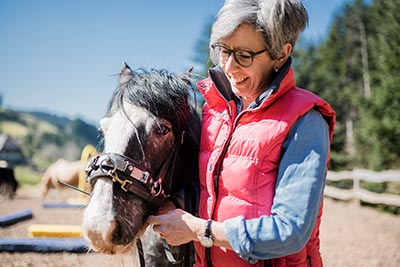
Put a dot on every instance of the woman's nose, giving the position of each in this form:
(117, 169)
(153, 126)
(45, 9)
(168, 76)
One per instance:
(230, 62)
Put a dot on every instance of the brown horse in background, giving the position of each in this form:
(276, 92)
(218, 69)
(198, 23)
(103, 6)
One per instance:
(63, 170)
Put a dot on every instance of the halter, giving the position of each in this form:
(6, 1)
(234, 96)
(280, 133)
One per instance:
(132, 176)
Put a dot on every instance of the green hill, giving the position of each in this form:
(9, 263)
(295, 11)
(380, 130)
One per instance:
(45, 137)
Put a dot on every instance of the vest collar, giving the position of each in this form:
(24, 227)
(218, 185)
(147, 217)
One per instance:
(281, 83)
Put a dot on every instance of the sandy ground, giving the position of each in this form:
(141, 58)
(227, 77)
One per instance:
(350, 235)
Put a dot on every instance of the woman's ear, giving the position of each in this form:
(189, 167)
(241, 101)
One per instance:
(285, 53)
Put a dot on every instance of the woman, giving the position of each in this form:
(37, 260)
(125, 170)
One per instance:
(264, 147)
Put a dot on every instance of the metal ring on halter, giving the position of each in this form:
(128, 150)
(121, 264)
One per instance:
(153, 188)
(107, 160)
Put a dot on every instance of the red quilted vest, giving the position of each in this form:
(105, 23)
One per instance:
(250, 147)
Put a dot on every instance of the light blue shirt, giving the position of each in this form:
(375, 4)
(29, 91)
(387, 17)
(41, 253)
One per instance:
(298, 194)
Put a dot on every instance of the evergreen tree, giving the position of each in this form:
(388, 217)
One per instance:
(355, 72)
(202, 50)
(379, 135)
(323, 73)
(334, 70)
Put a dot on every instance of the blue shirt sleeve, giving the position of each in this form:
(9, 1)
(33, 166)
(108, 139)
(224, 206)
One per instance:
(298, 195)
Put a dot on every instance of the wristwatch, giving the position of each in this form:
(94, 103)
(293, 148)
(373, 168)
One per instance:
(206, 240)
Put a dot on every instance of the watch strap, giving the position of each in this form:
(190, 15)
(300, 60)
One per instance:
(207, 231)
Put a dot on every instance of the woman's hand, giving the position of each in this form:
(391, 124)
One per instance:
(177, 226)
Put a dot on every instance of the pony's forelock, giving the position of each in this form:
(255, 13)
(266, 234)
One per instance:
(163, 94)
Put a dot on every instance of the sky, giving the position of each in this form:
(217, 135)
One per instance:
(63, 56)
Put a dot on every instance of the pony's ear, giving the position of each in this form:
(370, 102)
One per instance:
(188, 73)
(187, 76)
(125, 74)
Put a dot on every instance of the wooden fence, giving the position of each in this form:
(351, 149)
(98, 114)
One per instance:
(359, 193)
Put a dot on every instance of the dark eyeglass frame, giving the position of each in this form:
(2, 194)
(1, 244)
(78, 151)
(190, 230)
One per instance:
(235, 55)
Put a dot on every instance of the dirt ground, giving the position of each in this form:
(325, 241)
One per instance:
(350, 235)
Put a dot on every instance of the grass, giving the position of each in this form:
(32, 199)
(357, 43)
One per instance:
(13, 129)
(27, 176)
(21, 129)
(42, 126)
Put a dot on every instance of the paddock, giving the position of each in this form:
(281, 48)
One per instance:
(350, 235)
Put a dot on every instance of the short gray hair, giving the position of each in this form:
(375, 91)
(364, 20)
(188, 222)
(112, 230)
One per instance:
(279, 21)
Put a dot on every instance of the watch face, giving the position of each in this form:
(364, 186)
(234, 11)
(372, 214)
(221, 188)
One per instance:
(207, 242)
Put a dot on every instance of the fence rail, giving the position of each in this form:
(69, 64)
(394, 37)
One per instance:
(359, 193)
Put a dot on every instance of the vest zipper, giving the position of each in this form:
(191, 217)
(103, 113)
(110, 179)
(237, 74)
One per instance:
(218, 165)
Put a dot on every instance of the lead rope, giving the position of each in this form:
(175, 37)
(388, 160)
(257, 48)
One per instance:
(166, 246)
(140, 252)
(190, 205)
(174, 161)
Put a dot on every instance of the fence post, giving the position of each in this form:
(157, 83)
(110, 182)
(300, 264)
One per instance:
(356, 187)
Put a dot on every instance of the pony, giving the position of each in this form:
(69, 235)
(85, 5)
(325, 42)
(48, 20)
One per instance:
(151, 137)
(64, 171)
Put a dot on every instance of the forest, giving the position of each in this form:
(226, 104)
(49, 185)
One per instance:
(357, 70)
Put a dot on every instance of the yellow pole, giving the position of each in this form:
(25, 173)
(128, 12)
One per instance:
(88, 152)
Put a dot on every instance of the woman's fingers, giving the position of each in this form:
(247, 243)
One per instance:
(171, 227)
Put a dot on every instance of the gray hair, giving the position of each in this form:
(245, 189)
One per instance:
(279, 21)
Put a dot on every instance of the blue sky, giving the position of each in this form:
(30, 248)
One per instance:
(62, 56)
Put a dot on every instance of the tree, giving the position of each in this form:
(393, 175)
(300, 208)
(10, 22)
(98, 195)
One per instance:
(321, 69)
(356, 70)
(202, 58)
(332, 70)
(202, 50)
(380, 131)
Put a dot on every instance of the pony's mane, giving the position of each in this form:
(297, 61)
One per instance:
(163, 94)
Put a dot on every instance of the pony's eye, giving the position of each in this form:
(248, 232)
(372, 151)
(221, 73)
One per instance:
(163, 129)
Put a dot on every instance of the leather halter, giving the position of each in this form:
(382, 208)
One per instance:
(132, 176)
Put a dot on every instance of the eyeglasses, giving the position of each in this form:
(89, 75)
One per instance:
(243, 57)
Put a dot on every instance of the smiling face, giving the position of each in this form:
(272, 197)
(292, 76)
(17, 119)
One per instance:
(248, 82)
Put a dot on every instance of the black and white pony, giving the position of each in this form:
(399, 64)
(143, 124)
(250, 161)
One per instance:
(151, 140)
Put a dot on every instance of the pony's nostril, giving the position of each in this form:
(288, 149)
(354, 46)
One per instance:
(117, 235)
(122, 233)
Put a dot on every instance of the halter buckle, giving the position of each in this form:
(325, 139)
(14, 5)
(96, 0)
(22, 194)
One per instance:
(123, 185)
